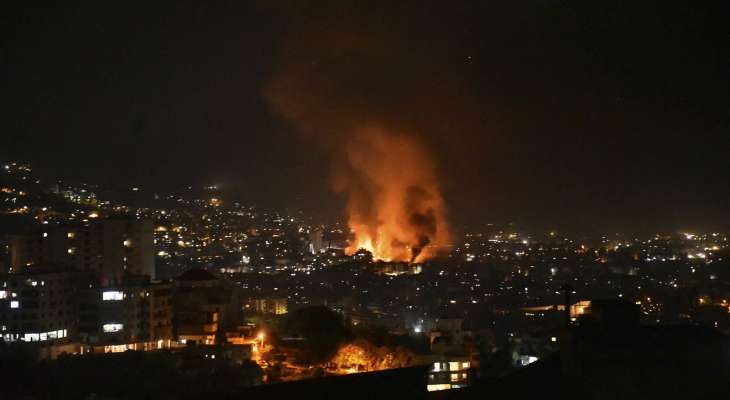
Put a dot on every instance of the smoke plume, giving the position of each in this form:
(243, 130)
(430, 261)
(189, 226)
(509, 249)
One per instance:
(343, 90)
(395, 209)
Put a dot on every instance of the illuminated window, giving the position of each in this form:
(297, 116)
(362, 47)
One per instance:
(71, 235)
(14, 304)
(31, 337)
(112, 295)
(454, 377)
(3, 294)
(113, 327)
(440, 386)
(453, 366)
(465, 365)
(72, 250)
(118, 348)
(127, 243)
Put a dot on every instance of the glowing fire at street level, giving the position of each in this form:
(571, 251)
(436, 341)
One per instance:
(379, 248)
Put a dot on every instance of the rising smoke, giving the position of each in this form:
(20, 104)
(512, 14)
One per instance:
(394, 206)
(345, 93)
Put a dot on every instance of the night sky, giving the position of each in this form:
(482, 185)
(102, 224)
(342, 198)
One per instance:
(576, 115)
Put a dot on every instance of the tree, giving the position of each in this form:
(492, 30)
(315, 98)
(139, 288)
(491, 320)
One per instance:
(324, 330)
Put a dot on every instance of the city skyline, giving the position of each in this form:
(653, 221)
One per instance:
(365, 199)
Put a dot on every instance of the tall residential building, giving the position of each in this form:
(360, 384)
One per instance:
(204, 306)
(316, 243)
(131, 316)
(39, 307)
(110, 248)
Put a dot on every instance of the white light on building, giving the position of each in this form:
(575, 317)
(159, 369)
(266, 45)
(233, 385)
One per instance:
(112, 295)
(112, 327)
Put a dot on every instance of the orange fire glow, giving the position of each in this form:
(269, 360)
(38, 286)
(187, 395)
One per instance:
(395, 209)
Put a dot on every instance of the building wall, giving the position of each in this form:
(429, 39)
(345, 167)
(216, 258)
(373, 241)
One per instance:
(276, 306)
(111, 248)
(38, 307)
(126, 314)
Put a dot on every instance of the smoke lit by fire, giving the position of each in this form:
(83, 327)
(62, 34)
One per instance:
(395, 209)
(341, 89)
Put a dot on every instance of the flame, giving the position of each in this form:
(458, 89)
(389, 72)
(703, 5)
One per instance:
(346, 101)
(394, 205)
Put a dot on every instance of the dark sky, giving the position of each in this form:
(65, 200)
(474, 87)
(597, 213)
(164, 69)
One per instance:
(583, 117)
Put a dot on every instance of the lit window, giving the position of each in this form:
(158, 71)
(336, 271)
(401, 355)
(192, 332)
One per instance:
(3, 294)
(71, 235)
(127, 243)
(15, 304)
(113, 327)
(465, 365)
(119, 348)
(112, 295)
(454, 377)
(71, 250)
(440, 386)
(453, 366)
(31, 337)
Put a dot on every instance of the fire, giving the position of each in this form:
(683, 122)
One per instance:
(347, 102)
(394, 205)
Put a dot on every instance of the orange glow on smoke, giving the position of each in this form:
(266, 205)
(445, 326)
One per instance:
(394, 205)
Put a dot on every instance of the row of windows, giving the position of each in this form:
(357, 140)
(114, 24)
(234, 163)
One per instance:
(35, 282)
(31, 327)
(35, 337)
